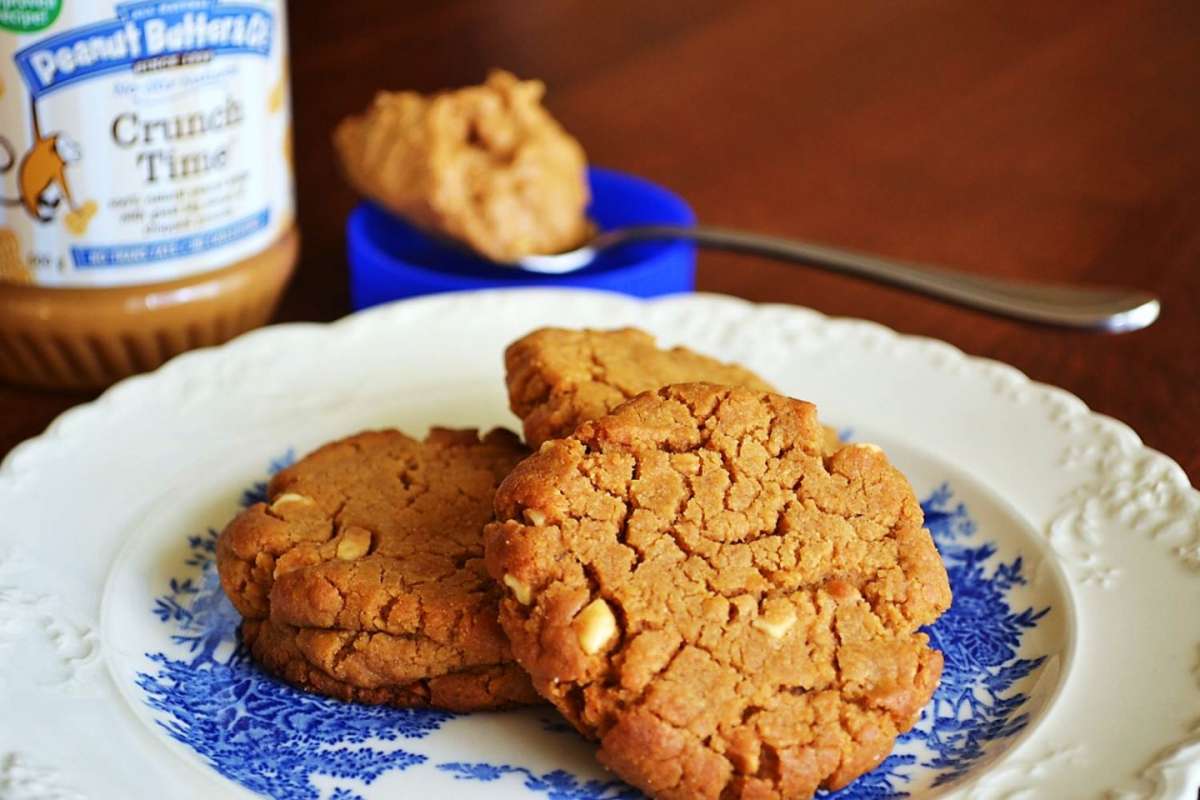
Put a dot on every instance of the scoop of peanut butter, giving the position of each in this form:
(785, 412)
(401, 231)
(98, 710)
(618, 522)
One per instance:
(486, 165)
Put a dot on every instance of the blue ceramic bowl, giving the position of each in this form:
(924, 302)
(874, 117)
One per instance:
(390, 259)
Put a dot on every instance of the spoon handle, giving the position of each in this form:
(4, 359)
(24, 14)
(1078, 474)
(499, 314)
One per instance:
(1112, 309)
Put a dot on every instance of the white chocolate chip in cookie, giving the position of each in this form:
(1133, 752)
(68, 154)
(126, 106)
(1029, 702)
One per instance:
(776, 620)
(354, 543)
(520, 589)
(290, 500)
(534, 517)
(595, 626)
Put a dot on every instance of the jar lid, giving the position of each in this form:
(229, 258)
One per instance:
(390, 259)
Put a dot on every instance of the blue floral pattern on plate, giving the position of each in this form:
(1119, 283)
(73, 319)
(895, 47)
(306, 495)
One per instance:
(275, 740)
(557, 785)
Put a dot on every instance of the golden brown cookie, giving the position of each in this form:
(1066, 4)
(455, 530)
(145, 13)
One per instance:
(730, 610)
(558, 378)
(297, 656)
(367, 561)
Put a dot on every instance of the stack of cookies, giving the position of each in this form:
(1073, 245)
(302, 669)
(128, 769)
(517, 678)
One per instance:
(688, 565)
(363, 578)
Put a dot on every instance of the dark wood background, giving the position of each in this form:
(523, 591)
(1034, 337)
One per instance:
(1045, 140)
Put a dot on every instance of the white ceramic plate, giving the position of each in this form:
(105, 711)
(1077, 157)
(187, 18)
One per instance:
(1072, 649)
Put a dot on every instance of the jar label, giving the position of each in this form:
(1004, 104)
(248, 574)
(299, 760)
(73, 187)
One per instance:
(142, 141)
(26, 16)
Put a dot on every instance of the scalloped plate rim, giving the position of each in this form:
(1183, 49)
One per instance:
(936, 353)
(118, 391)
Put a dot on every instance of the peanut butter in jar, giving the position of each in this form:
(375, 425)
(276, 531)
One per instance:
(146, 192)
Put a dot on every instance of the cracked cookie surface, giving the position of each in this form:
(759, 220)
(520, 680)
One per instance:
(731, 609)
(558, 378)
(365, 569)
(308, 658)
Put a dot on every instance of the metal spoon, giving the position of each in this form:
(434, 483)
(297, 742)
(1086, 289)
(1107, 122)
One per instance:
(1110, 309)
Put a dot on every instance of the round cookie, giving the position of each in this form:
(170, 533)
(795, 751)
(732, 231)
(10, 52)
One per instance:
(298, 655)
(731, 610)
(367, 561)
(558, 378)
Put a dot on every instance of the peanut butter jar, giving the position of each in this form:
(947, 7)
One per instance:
(146, 190)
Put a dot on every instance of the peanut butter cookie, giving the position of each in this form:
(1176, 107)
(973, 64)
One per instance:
(361, 667)
(558, 378)
(730, 609)
(363, 573)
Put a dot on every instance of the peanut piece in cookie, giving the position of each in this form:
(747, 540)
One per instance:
(595, 626)
(290, 500)
(776, 620)
(520, 590)
(354, 543)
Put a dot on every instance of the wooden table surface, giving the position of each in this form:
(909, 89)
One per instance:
(1057, 141)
